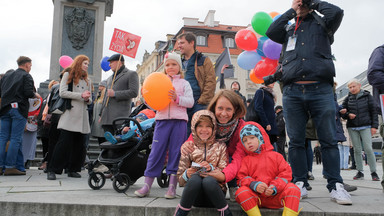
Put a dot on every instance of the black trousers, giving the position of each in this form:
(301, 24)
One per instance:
(280, 143)
(69, 152)
(203, 192)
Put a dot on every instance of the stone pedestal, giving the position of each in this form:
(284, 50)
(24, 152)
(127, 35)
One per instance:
(78, 28)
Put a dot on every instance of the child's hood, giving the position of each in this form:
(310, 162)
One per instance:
(265, 144)
(195, 119)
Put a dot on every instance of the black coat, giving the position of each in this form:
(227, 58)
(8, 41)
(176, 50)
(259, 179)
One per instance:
(16, 86)
(311, 59)
(280, 124)
(364, 109)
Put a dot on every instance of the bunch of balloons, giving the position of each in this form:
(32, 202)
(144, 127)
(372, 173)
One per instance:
(260, 53)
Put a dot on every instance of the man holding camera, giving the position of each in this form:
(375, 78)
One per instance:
(307, 77)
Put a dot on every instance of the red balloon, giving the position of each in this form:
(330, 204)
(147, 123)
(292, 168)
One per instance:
(246, 40)
(265, 68)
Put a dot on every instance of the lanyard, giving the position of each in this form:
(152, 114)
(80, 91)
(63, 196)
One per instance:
(298, 22)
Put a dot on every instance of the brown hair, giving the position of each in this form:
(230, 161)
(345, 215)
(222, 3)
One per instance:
(75, 72)
(204, 118)
(53, 82)
(189, 36)
(234, 98)
(22, 60)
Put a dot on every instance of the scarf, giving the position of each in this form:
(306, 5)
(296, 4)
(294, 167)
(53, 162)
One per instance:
(224, 131)
(270, 90)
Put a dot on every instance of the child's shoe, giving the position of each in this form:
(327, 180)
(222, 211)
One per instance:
(110, 138)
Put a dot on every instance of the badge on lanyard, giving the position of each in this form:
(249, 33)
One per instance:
(291, 43)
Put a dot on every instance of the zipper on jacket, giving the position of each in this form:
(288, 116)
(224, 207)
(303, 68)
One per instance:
(205, 151)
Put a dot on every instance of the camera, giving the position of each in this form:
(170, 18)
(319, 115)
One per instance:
(306, 3)
(274, 77)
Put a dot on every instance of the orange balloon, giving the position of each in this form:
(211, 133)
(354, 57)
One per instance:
(253, 77)
(273, 14)
(155, 90)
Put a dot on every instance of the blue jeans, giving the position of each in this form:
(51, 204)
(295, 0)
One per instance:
(12, 128)
(315, 100)
(344, 156)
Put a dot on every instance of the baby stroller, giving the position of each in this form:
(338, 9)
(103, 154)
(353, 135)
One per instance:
(125, 160)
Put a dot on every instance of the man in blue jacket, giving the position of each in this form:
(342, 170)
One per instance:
(307, 77)
(15, 89)
(375, 77)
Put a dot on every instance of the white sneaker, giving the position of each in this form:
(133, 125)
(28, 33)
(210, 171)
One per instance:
(340, 195)
(232, 191)
(303, 190)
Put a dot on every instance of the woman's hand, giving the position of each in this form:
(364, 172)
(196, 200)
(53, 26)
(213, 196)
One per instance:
(86, 95)
(343, 111)
(187, 148)
(351, 116)
(217, 174)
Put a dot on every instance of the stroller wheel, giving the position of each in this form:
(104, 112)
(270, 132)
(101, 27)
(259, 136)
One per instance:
(121, 183)
(163, 180)
(96, 180)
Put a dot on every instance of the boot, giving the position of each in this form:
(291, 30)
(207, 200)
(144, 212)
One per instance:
(181, 211)
(171, 193)
(255, 211)
(144, 191)
(289, 212)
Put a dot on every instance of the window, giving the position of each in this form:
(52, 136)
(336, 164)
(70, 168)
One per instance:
(229, 42)
(201, 40)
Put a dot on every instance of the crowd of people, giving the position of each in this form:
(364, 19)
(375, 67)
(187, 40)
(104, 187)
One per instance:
(208, 145)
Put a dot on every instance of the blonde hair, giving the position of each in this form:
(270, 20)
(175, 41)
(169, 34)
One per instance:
(181, 72)
(353, 81)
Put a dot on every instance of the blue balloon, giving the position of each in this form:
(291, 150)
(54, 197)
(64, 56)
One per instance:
(248, 59)
(260, 46)
(277, 17)
(105, 64)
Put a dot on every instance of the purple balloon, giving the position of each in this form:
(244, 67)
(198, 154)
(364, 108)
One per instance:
(272, 49)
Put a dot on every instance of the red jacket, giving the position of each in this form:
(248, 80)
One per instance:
(267, 166)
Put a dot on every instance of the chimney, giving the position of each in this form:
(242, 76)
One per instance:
(210, 19)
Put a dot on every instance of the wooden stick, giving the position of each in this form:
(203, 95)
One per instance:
(114, 77)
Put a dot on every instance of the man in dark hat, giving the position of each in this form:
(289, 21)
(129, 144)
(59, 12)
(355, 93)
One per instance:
(122, 86)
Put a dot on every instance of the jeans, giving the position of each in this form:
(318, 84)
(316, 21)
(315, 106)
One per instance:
(362, 139)
(344, 156)
(12, 128)
(309, 153)
(196, 107)
(316, 100)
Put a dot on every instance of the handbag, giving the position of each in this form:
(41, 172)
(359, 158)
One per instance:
(47, 121)
(251, 114)
(61, 104)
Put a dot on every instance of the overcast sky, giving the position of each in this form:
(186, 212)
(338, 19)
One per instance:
(26, 28)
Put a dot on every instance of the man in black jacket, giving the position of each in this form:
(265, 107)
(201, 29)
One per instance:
(15, 89)
(307, 76)
(281, 137)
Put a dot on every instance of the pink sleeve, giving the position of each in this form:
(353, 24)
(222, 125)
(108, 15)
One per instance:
(231, 170)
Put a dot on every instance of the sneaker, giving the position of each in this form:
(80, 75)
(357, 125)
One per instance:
(110, 138)
(308, 187)
(303, 190)
(310, 176)
(232, 191)
(340, 195)
(375, 177)
(359, 176)
(349, 188)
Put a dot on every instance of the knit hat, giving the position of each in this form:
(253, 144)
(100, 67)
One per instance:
(173, 56)
(251, 129)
